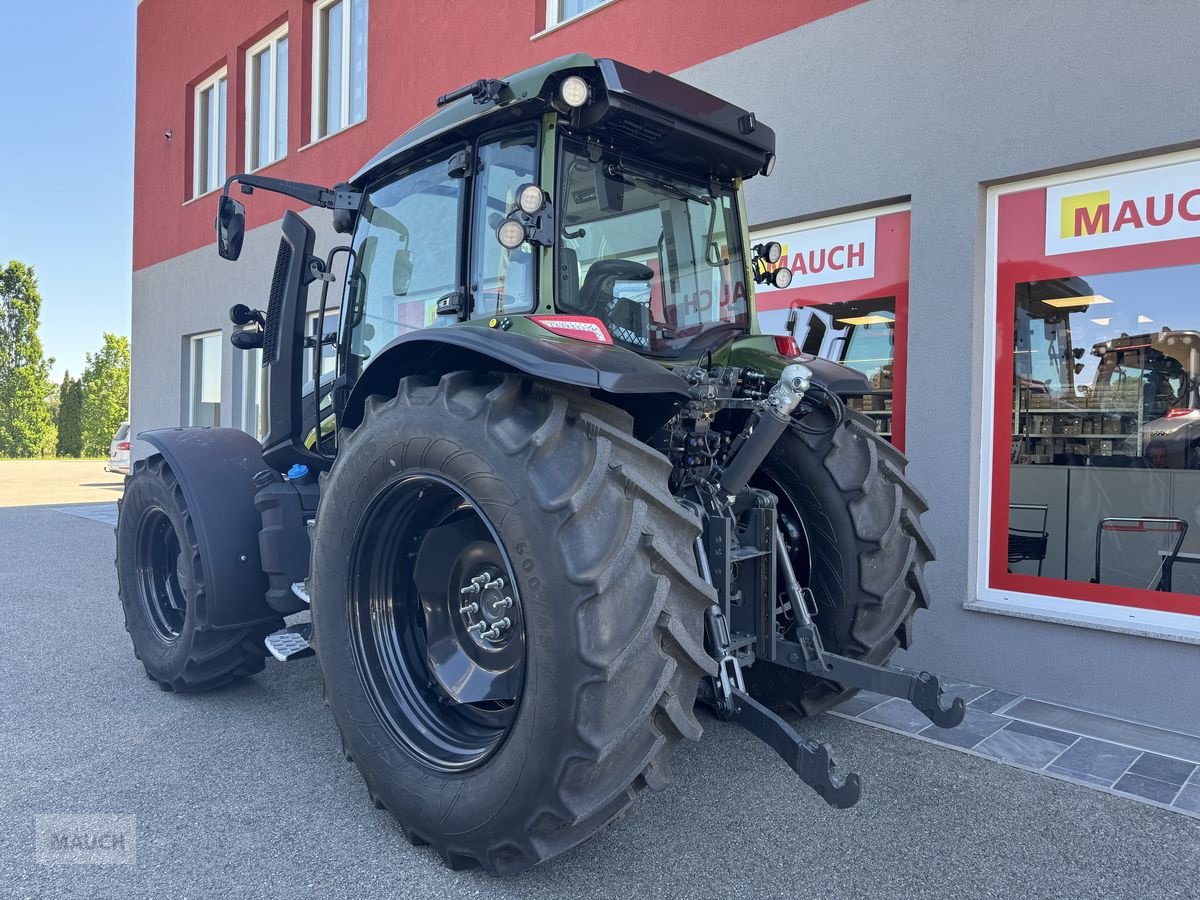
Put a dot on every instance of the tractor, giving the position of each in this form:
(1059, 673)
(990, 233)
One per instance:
(557, 490)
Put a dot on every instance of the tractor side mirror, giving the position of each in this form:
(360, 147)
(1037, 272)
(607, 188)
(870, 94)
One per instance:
(231, 227)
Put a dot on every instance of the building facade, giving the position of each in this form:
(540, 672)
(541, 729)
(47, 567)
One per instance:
(991, 209)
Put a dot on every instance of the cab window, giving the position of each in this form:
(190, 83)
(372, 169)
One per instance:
(407, 250)
(502, 281)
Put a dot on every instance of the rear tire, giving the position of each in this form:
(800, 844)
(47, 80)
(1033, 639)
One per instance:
(607, 591)
(160, 575)
(860, 547)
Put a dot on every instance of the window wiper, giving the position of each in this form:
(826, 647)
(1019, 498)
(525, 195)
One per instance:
(650, 181)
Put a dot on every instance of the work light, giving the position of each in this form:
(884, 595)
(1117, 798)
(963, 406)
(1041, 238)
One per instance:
(510, 234)
(574, 91)
(530, 198)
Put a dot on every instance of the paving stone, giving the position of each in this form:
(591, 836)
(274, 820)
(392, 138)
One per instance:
(1015, 747)
(861, 702)
(1107, 728)
(897, 714)
(1100, 758)
(1065, 738)
(1080, 776)
(1189, 799)
(1163, 768)
(1150, 788)
(963, 689)
(974, 728)
(993, 700)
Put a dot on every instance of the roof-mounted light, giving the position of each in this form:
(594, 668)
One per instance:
(574, 91)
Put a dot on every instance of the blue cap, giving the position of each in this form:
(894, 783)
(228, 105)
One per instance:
(299, 470)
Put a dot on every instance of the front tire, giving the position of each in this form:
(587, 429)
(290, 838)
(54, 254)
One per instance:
(163, 592)
(546, 491)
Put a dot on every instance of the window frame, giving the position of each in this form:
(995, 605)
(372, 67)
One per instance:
(252, 375)
(271, 42)
(553, 19)
(194, 341)
(1126, 609)
(214, 142)
(318, 71)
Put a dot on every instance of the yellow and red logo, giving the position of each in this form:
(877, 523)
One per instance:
(1156, 204)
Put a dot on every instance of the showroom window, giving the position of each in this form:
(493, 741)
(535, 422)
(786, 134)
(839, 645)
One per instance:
(1095, 450)
(266, 100)
(339, 65)
(848, 302)
(204, 382)
(253, 393)
(209, 149)
(559, 11)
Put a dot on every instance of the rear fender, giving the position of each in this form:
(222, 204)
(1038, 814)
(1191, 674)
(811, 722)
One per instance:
(646, 390)
(215, 468)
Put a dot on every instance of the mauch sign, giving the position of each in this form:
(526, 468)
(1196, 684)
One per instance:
(1159, 204)
(827, 255)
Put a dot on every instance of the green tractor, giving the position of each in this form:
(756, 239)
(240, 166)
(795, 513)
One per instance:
(556, 491)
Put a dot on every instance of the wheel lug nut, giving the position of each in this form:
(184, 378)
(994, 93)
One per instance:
(504, 603)
(497, 585)
(477, 627)
(501, 625)
(469, 609)
(481, 579)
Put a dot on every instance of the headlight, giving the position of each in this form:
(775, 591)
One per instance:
(773, 251)
(530, 198)
(574, 91)
(781, 277)
(510, 234)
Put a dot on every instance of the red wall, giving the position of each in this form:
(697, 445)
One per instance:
(416, 50)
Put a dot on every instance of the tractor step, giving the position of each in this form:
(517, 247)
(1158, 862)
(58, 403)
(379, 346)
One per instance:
(291, 643)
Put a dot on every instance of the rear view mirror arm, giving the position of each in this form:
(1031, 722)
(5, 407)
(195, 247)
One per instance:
(340, 197)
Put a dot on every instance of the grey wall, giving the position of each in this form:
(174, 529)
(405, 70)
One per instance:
(928, 99)
(191, 294)
(934, 100)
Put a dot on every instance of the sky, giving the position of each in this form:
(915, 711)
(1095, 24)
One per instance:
(66, 164)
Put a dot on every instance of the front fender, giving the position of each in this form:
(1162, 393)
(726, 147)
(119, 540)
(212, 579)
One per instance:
(649, 392)
(215, 468)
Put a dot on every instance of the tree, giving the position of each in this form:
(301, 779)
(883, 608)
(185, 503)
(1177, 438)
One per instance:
(70, 417)
(105, 384)
(26, 426)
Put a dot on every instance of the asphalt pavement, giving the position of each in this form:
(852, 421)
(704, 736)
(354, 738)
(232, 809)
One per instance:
(244, 792)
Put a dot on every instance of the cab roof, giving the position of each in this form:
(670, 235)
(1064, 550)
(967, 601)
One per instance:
(646, 112)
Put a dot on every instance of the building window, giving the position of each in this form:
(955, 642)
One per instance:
(204, 388)
(559, 11)
(266, 100)
(328, 347)
(1095, 491)
(339, 65)
(253, 394)
(209, 149)
(848, 301)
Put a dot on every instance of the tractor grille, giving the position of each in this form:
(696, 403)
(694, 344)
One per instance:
(283, 262)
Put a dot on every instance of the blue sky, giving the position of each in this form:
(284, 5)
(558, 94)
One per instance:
(66, 160)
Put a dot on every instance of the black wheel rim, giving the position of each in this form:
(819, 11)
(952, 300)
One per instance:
(436, 622)
(161, 574)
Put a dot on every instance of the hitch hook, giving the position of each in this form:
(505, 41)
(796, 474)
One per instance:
(808, 759)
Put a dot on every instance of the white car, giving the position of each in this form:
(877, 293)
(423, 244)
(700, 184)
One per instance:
(118, 451)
